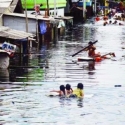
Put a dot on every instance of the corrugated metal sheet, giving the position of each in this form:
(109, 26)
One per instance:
(14, 34)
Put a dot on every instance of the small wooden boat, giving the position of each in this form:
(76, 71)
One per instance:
(85, 59)
(97, 59)
(82, 59)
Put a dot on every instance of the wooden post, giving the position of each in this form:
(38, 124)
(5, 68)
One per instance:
(26, 16)
(54, 8)
(47, 7)
(21, 51)
(84, 8)
(37, 32)
(95, 8)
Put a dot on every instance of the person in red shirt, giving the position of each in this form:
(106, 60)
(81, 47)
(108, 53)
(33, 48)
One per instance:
(97, 56)
(91, 50)
(97, 18)
(105, 18)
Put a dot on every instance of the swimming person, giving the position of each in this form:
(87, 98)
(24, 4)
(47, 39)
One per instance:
(115, 22)
(110, 22)
(78, 92)
(69, 90)
(61, 92)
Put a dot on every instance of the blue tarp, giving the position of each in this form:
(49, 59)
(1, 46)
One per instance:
(80, 4)
(43, 27)
(103, 7)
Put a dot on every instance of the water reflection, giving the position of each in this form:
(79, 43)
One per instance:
(91, 65)
(71, 101)
(32, 106)
(4, 75)
(80, 103)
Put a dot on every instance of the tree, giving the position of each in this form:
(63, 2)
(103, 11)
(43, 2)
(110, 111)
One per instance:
(47, 3)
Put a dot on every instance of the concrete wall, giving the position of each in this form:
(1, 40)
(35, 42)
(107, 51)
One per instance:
(19, 23)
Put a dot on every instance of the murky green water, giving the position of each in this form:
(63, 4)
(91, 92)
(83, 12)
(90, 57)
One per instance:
(24, 102)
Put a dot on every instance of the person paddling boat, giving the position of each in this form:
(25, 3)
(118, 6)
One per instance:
(91, 50)
(97, 56)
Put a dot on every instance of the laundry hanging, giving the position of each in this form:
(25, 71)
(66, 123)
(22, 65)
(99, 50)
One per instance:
(43, 27)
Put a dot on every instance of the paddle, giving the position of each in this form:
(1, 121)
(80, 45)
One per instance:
(84, 48)
(98, 59)
(111, 54)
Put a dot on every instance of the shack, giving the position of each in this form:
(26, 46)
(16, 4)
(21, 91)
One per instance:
(45, 28)
(13, 43)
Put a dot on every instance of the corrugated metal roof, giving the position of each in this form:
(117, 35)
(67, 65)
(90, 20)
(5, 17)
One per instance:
(14, 34)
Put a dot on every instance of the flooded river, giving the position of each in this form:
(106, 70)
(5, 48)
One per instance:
(25, 101)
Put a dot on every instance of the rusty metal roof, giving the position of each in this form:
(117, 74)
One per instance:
(14, 34)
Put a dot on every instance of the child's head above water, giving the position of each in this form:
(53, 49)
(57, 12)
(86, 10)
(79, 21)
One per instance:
(68, 86)
(80, 86)
(62, 87)
(110, 21)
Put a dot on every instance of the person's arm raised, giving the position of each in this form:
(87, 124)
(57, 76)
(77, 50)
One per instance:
(83, 49)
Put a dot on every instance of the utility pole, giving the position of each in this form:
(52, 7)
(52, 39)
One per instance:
(95, 7)
(26, 57)
(37, 31)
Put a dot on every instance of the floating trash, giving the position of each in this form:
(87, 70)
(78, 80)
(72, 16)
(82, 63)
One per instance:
(118, 85)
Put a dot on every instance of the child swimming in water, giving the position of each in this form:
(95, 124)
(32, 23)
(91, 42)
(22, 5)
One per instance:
(60, 92)
(69, 90)
(78, 92)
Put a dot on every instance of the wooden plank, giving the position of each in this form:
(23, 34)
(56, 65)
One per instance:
(2, 28)
(64, 17)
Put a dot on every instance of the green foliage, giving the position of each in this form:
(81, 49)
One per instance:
(36, 75)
